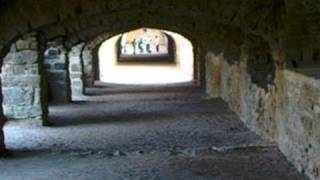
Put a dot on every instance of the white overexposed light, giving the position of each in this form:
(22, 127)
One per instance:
(111, 72)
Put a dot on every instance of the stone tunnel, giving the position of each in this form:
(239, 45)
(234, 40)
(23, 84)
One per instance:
(239, 98)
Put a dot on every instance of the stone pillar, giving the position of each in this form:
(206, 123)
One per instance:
(95, 63)
(87, 59)
(199, 70)
(279, 57)
(2, 121)
(76, 72)
(24, 90)
(56, 63)
(3, 151)
(213, 74)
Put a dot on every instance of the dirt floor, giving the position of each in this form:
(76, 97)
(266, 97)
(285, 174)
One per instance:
(149, 133)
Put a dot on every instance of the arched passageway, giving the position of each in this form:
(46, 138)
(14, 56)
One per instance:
(154, 68)
(259, 58)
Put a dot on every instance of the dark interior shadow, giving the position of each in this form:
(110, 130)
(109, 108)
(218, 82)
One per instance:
(88, 113)
(125, 117)
(18, 154)
(103, 91)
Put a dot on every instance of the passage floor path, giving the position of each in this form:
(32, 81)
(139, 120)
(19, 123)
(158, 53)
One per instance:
(142, 133)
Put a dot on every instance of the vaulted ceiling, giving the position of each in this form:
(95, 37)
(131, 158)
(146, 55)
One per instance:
(290, 23)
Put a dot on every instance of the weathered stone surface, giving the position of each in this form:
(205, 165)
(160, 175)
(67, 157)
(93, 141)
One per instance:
(77, 84)
(88, 71)
(53, 53)
(293, 24)
(285, 110)
(76, 71)
(56, 61)
(23, 57)
(75, 75)
(22, 84)
(58, 77)
(21, 81)
(300, 134)
(18, 96)
(261, 69)
(213, 74)
(27, 69)
(28, 43)
(60, 66)
(23, 112)
(75, 67)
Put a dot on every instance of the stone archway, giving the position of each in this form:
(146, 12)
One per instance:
(175, 67)
(279, 26)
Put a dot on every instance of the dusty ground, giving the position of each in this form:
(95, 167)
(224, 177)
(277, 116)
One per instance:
(167, 134)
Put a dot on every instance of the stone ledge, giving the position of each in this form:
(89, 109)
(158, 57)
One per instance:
(299, 78)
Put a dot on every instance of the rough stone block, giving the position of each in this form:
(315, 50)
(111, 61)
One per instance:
(317, 109)
(60, 66)
(17, 96)
(21, 81)
(23, 57)
(33, 45)
(75, 59)
(53, 54)
(75, 76)
(19, 70)
(57, 77)
(22, 112)
(37, 97)
(77, 92)
(21, 44)
(76, 83)
(75, 67)
(30, 69)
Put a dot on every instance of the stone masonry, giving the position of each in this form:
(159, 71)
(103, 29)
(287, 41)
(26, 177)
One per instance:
(87, 59)
(76, 71)
(282, 105)
(22, 82)
(285, 110)
(57, 70)
(2, 122)
(299, 135)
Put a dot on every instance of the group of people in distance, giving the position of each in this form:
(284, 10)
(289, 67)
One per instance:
(145, 44)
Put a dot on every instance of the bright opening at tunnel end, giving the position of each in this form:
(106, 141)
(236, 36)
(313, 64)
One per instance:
(141, 73)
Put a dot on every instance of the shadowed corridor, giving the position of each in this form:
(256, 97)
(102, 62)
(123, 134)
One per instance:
(172, 132)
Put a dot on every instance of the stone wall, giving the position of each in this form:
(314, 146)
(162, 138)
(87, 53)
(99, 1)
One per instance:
(284, 110)
(88, 71)
(2, 122)
(76, 72)
(95, 63)
(56, 64)
(299, 135)
(254, 104)
(213, 74)
(24, 92)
